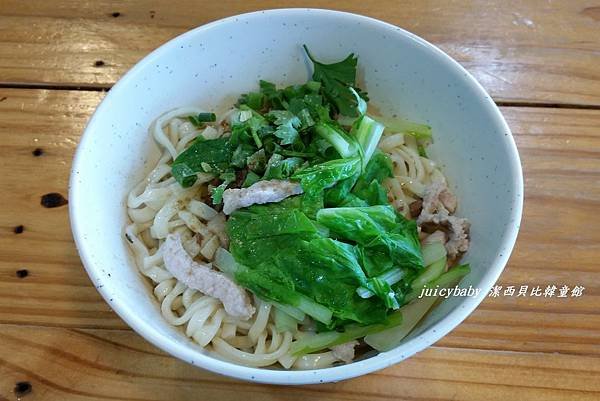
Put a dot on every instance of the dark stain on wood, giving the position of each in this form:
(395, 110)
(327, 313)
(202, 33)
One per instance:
(99, 63)
(37, 152)
(116, 14)
(22, 388)
(18, 229)
(22, 273)
(592, 12)
(53, 199)
(3, 98)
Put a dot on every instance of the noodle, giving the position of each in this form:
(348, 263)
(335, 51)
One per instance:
(158, 206)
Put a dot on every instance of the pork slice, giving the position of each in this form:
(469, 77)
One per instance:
(432, 203)
(415, 208)
(458, 238)
(438, 204)
(448, 200)
(259, 193)
(344, 352)
(203, 278)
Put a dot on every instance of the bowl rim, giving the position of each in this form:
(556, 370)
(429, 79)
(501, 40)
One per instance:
(263, 375)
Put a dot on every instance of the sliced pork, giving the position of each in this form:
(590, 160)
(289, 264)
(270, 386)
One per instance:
(203, 278)
(344, 352)
(438, 204)
(259, 193)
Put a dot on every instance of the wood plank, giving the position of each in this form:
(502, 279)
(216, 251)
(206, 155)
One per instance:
(534, 51)
(53, 122)
(118, 365)
(559, 242)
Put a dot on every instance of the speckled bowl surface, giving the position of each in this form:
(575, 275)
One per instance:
(209, 67)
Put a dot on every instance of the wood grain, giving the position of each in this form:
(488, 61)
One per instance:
(559, 242)
(535, 51)
(118, 365)
(58, 334)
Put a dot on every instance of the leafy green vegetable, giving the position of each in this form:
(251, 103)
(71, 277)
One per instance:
(383, 290)
(421, 132)
(379, 168)
(315, 179)
(257, 161)
(342, 142)
(390, 338)
(375, 260)
(273, 97)
(284, 222)
(209, 156)
(250, 128)
(313, 104)
(240, 155)
(446, 279)
(254, 100)
(251, 178)
(338, 194)
(273, 285)
(337, 79)
(199, 119)
(376, 227)
(367, 133)
(217, 192)
(295, 313)
(430, 273)
(225, 262)
(284, 322)
(369, 185)
(317, 342)
(374, 194)
(306, 120)
(391, 277)
(359, 224)
(279, 167)
(282, 247)
(412, 313)
(433, 252)
(287, 125)
(396, 125)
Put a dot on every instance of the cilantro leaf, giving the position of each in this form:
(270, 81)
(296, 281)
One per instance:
(280, 168)
(217, 192)
(336, 80)
(287, 125)
(254, 100)
(251, 130)
(240, 155)
(272, 95)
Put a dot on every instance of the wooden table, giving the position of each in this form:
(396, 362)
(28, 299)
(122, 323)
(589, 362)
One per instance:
(540, 60)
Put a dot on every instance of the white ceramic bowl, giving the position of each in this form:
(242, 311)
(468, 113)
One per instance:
(209, 67)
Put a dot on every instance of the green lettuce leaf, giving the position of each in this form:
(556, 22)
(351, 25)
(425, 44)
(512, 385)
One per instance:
(208, 156)
(315, 179)
(279, 167)
(376, 227)
(279, 243)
